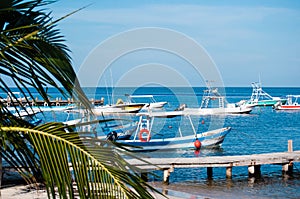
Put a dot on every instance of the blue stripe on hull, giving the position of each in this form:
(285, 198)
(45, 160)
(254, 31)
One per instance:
(209, 140)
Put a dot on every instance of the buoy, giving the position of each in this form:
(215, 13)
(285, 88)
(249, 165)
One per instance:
(197, 152)
(202, 122)
(142, 131)
(197, 144)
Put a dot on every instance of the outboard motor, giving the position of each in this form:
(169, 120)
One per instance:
(181, 107)
(112, 136)
(275, 106)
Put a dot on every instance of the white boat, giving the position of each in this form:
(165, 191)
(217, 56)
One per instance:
(118, 129)
(261, 98)
(213, 103)
(150, 102)
(28, 116)
(117, 108)
(291, 104)
(142, 139)
(51, 108)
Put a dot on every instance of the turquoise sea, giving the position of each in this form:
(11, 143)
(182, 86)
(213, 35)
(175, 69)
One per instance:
(264, 130)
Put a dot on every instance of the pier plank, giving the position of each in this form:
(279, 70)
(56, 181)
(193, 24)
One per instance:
(216, 161)
(254, 162)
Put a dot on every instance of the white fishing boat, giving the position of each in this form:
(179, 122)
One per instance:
(150, 102)
(141, 140)
(214, 103)
(28, 116)
(291, 104)
(51, 108)
(119, 130)
(121, 108)
(261, 98)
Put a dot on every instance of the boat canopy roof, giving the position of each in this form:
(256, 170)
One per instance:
(293, 96)
(139, 96)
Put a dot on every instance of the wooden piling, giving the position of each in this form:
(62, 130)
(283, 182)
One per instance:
(253, 162)
(209, 173)
(287, 169)
(254, 171)
(144, 176)
(290, 145)
(167, 174)
(228, 172)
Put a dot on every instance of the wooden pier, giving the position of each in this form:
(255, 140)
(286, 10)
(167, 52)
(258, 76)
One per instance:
(253, 162)
(52, 102)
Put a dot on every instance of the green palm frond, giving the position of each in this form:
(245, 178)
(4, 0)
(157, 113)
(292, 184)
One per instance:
(32, 52)
(66, 160)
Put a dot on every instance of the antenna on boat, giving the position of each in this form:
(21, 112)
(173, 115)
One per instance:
(109, 101)
(112, 85)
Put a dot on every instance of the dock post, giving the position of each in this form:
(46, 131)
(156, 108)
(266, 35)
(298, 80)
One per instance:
(167, 174)
(287, 169)
(228, 172)
(144, 176)
(254, 171)
(290, 145)
(209, 173)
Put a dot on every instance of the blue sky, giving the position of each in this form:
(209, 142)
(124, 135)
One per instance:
(245, 39)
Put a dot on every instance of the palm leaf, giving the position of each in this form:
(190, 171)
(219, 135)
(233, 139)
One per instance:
(98, 172)
(32, 53)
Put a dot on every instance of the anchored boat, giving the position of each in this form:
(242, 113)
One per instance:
(261, 98)
(292, 103)
(141, 139)
(214, 103)
(150, 102)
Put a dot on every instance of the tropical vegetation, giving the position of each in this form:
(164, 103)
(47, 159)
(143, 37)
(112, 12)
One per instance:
(33, 56)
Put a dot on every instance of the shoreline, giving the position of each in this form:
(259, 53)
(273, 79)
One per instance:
(14, 188)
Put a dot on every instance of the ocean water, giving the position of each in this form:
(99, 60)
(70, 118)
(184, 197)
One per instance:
(264, 130)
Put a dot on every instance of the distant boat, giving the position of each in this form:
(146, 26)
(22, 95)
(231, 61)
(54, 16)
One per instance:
(119, 107)
(150, 102)
(141, 140)
(214, 103)
(52, 108)
(292, 103)
(261, 98)
(118, 129)
(29, 116)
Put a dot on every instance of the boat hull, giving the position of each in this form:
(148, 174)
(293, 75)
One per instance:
(210, 139)
(122, 108)
(269, 102)
(216, 111)
(288, 107)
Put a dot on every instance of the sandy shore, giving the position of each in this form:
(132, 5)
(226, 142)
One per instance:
(14, 187)
(29, 192)
(23, 192)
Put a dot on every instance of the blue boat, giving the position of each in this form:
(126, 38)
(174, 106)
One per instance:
(141, 140)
